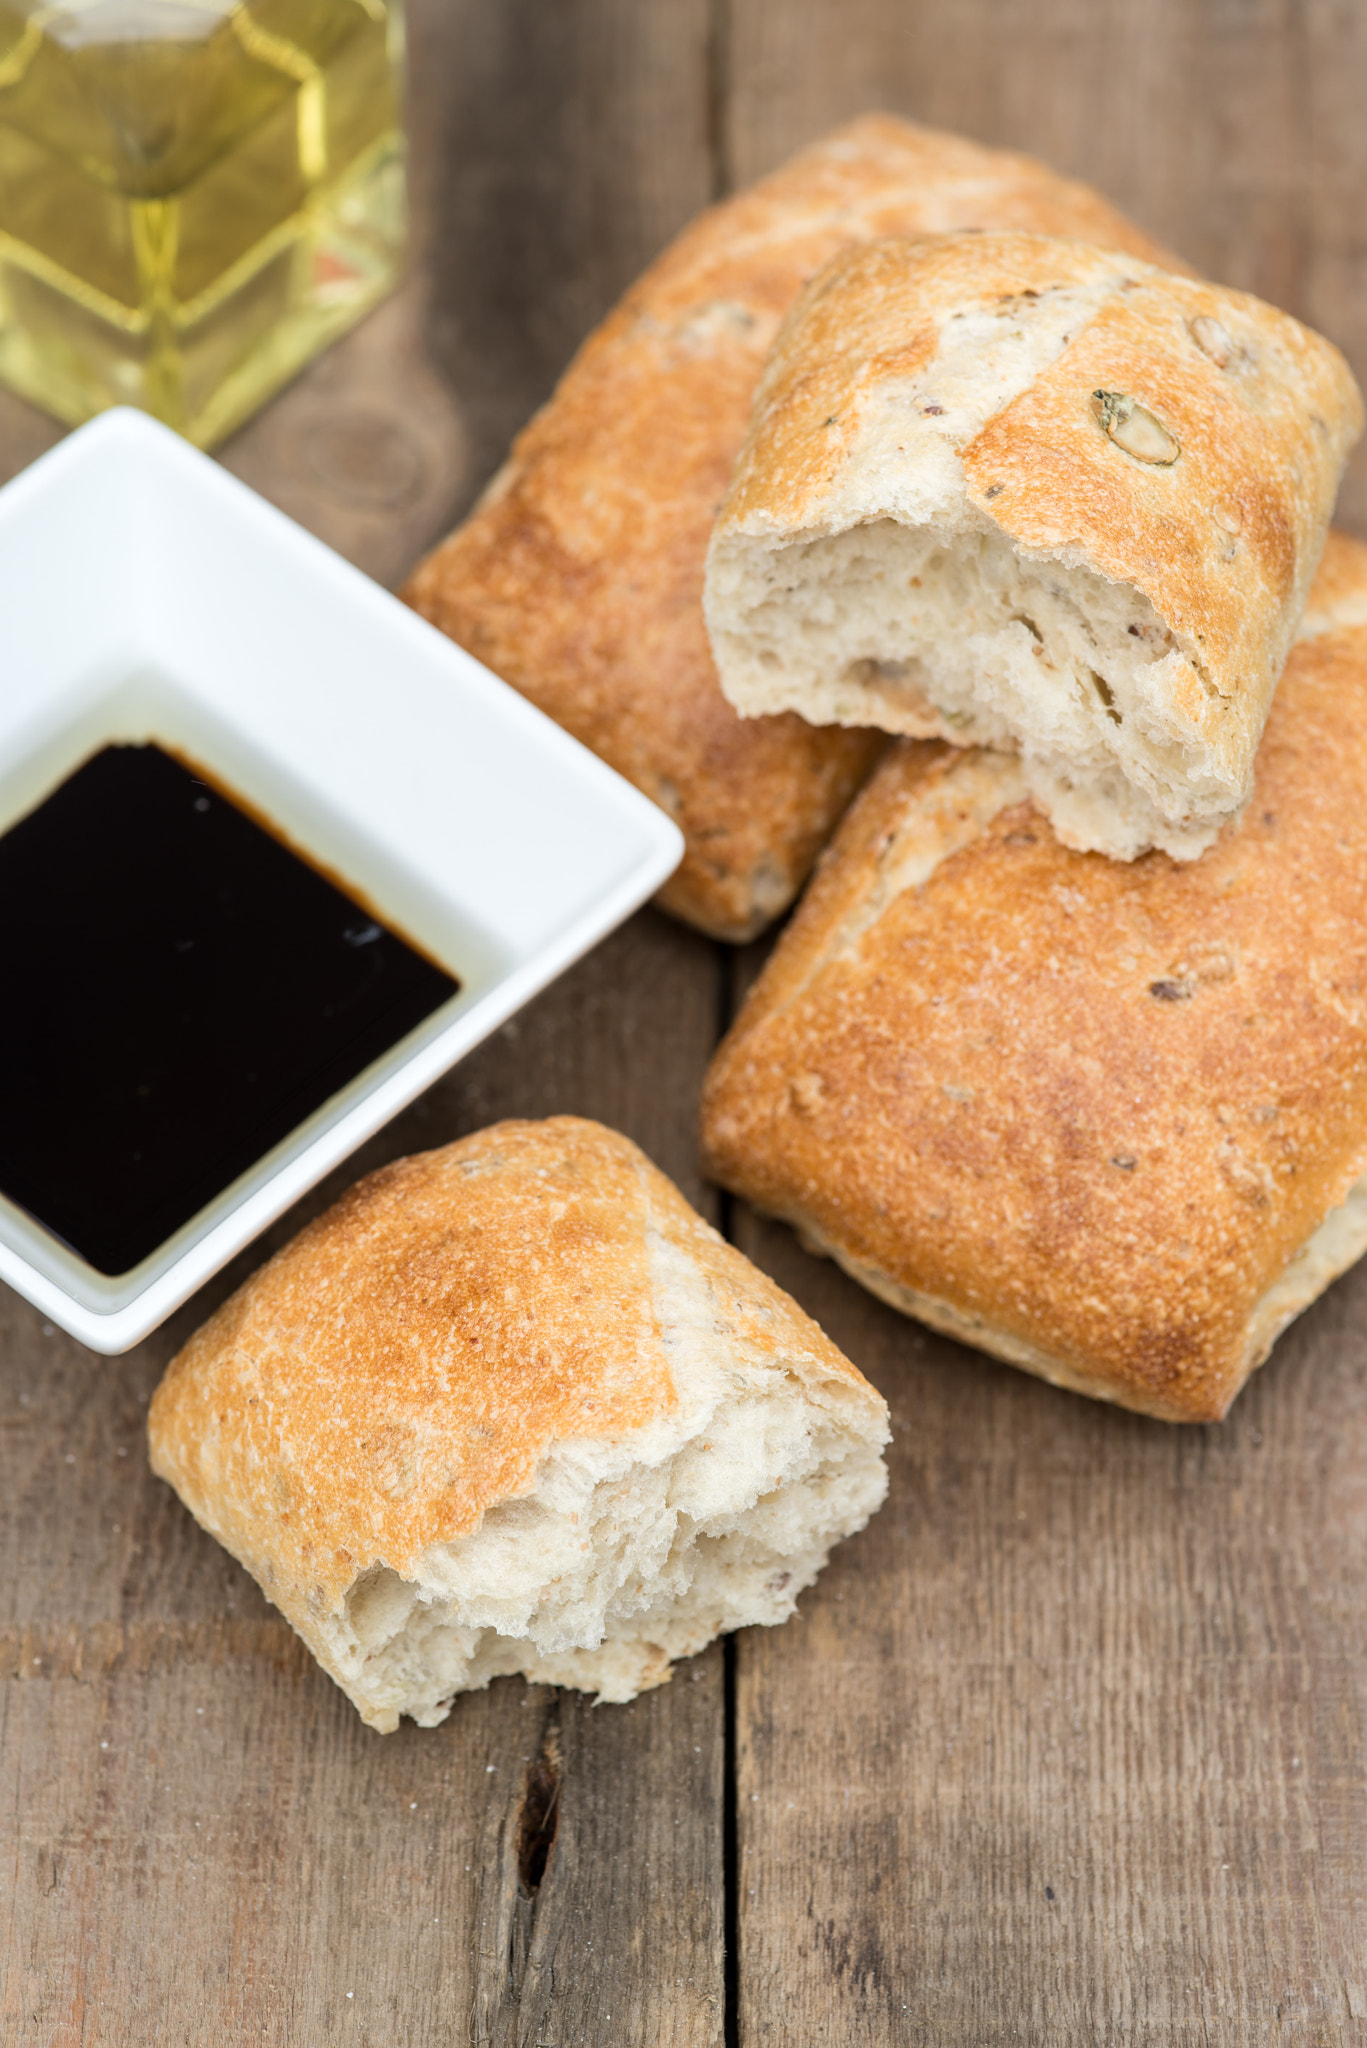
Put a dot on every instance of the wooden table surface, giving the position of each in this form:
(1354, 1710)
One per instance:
(1069, 1746)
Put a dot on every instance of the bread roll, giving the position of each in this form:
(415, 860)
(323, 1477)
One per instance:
(578, 577)
(1015, 491)
(513, 1407)
(1108, 1122)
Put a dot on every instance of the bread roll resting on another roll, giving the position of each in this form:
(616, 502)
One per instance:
(1020, 492)
(578, 576)
(512, 1406)
(1107, 1121)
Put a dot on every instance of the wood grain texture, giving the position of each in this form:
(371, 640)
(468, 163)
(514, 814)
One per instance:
(1068, 1746)
(575, 148)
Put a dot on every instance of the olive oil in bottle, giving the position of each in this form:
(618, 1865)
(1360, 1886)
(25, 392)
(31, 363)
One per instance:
(195, 197)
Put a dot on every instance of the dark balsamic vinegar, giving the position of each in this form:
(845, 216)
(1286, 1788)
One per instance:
(181, 991)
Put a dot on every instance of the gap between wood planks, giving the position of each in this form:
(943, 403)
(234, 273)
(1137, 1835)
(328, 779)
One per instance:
(728, 981)
(719, 52)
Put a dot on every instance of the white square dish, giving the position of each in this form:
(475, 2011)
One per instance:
(147, 595)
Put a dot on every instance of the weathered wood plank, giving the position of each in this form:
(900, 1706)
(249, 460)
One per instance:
(244, 1861)
(1071, 1744)
(578, 147)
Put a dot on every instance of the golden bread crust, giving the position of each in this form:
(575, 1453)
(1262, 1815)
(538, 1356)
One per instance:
(1081, 1112)
(578, 578)
(404, 1364)
(1223, 539)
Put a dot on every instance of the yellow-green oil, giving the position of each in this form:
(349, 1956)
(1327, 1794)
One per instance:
(195, 197)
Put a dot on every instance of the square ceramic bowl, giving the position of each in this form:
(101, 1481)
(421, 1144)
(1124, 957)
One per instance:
(147, 595)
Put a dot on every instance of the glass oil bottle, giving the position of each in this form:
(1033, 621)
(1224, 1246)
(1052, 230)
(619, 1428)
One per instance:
(195, 197)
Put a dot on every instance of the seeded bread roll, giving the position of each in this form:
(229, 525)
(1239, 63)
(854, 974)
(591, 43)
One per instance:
(1016, 491)
(1108, 1122)
(513, 1407)
(578, 577)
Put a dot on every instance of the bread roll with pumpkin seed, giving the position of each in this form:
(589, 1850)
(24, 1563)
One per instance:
(578, 576)
(1105, 1120)
(1016, 491)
